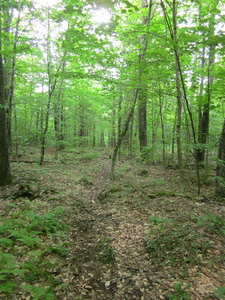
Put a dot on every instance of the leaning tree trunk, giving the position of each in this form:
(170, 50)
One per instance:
(178, 76)
(123, 132)
(180, 84)
(5, 173)
(220, 169)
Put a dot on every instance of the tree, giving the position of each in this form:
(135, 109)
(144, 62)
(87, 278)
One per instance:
(220, 169)
(10, 59)
(5, 172)
(178, 75)
(142, 101)
(204, 105)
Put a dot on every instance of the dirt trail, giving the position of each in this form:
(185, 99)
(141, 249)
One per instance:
(131, 275)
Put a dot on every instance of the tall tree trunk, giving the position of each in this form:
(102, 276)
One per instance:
(59, 117)
(173, 33)
(163, 131)
(142, 119)
(10, 77)
(5, 172)
(142, 101)
(220, 170)
(203, 128)
(178, 87)
(201, 136)
(82, 127)
(113, 133)
(51, 87)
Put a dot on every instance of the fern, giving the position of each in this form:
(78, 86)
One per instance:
(25, 237)
(39, 292)
(6, 242)
(47, 223)
(7, 286)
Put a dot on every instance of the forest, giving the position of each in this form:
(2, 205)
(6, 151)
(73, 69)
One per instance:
(112, 149)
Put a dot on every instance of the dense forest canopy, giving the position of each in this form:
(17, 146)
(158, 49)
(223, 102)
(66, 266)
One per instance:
(147, 75)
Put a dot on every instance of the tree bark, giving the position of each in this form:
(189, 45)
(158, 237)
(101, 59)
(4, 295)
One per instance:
(180, 83)
(10, 76)
(5, 172)
(142, 119)
(220, 169)
(204, 118)
(51, 87)
(142, 102)
(123, 132)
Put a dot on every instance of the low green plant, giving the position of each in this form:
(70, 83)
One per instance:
(106, 253)
(179, 292)
(157, 182)
(39, 292)
(89, 156)
(22, 232)
(58, 250)
(79, 202)
(86, 181)
(8, 272)
(36, 269)
(25, 237)
(146, 154)
(158, 220)
(211, 222)
(47, 223)
(220, 292)
(174, 242)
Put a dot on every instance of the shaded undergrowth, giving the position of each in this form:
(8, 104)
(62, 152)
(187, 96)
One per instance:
(59, 244)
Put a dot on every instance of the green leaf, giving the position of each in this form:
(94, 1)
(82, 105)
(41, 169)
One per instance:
(6, 242)
(221, 292)
(7, 287)
(39, 292)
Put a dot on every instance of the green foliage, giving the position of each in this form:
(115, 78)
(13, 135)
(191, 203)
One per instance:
(19, 233)
(106, 253)
(58, 250)
(8, 272)
(86, 157)
(158, 220)
(174, 242)
(179, 293)
(212, 223)
(221, 181)
(22, 235)
(36, 270)
(78, 202)
(146, 154)
(220, 292)
(6, 242)
(47, 223)
(157, 182)
(39, 292)
(7, 286)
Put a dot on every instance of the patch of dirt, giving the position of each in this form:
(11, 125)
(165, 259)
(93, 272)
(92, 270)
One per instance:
(111, 223)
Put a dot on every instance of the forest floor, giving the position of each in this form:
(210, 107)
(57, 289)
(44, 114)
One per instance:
(68, 231)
